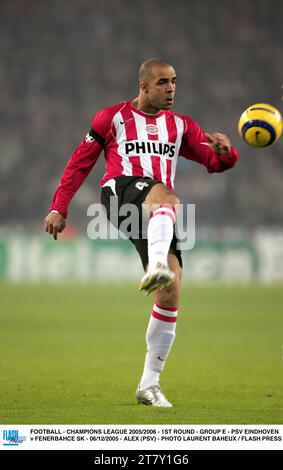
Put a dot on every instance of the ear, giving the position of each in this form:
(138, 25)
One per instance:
(143, 86)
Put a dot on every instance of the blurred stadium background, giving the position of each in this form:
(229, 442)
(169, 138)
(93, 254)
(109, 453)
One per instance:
(60, 62)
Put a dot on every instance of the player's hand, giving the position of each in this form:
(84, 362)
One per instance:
(219, 143)
(54, 223)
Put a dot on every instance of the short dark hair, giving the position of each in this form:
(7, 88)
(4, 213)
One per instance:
(146, 67)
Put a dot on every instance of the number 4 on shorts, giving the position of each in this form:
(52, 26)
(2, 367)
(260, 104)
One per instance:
(140, 185)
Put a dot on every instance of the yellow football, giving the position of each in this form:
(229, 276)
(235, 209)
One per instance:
(260, 125)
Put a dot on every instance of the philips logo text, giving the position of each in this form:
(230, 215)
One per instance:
(151, 147)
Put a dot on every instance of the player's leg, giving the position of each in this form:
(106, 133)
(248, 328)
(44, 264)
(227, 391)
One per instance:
(170, 296)
(160, 336)
(160, 194)
(160, 203)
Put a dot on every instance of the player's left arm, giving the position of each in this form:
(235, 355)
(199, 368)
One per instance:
(214, 151)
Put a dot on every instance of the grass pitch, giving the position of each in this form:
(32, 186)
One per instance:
(73, 354)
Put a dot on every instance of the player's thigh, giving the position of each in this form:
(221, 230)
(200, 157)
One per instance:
(160, 194)
(170, 296)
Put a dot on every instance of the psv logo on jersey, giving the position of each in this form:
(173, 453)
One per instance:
(152, 129)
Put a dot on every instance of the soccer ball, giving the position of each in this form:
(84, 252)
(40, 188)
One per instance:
(260, 125)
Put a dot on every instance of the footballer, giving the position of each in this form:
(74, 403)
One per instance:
(142, 140)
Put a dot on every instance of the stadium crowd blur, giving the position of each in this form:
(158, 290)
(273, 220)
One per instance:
(61, 61)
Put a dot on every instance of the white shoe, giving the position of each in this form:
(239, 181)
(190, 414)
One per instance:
(159, 277)
(152, 396)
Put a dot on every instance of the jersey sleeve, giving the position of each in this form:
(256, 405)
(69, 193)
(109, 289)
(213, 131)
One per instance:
(195, 147)
(81, 163)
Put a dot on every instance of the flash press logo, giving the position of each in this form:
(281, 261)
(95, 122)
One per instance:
(11, 437)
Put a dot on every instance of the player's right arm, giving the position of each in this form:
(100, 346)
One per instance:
(77, 169)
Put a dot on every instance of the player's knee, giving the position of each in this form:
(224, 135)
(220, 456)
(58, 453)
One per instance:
(170, 199)
(171, 202)
(160, 194)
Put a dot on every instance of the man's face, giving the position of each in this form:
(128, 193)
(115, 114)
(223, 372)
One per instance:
(160, 87)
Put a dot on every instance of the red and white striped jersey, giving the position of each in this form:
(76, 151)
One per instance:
(137, 144)
(143, 145)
